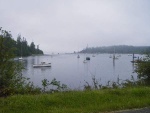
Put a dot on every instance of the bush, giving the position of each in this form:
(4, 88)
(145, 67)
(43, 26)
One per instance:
(143, 69)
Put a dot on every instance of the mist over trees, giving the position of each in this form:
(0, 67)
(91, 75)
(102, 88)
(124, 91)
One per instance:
(124, 49)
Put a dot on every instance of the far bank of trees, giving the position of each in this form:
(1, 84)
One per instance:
(23, 49)
(124, 49)
(21, 46)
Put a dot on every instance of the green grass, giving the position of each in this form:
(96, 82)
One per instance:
(78, 101)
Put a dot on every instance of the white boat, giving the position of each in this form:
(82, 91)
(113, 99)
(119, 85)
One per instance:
(20, 58)
(43, 64)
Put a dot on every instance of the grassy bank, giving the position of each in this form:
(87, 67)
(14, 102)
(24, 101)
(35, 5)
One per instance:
(78, 101)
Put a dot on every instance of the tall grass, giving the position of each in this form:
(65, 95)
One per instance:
(78, 101)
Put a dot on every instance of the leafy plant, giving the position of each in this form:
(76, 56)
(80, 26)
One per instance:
(143, 69)
(56, 85)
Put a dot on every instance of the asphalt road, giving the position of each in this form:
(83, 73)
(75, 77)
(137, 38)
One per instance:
(143, 110)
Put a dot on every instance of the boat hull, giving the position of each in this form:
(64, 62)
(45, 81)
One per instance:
(87, 58)
(41, 65)
(20, 58)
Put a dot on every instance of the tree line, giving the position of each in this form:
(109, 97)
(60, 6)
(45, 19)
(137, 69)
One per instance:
(21, 47)
(118, 49)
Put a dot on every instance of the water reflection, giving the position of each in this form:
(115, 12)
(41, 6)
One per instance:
(113, 63)
(133, 67)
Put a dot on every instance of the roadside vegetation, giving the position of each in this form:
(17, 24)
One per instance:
(94, 101)
(19, 95)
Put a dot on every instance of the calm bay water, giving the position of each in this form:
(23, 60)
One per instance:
(70, 70)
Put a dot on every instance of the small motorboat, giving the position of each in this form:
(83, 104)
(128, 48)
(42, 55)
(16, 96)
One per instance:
(43, 64)
(87, 58)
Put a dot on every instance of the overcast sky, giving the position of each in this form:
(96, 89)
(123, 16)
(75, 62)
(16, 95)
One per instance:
(69, 25)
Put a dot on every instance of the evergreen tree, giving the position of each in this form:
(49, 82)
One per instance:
(25, 49)
(9, 70)
(32, 48)
(19, 45)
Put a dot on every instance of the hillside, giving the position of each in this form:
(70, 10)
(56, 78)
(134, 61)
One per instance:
(118, 49)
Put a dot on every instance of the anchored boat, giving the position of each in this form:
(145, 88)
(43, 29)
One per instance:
(43, 64)
(20, 58)
(87, 58)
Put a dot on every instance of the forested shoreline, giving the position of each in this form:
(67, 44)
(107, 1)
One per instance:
(25, 49)
(20, 46)
(122, 49)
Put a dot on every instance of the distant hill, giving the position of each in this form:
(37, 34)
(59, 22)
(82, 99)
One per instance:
(118, 49)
